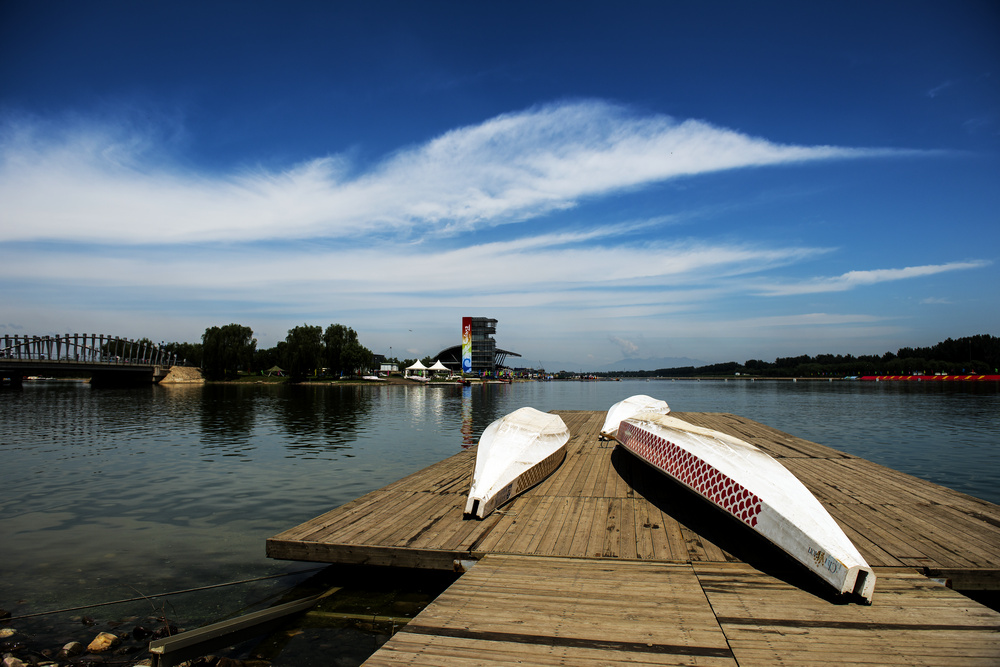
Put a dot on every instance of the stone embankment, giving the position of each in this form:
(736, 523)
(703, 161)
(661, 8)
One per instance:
(183, 375)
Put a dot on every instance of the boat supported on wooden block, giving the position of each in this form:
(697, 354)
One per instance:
(515, 453)
(630, 407)
(754, 488)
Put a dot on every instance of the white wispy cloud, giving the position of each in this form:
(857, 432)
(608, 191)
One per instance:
(99, 184)
(853, 279)
(804, 320)
(534, 264)
(940, 88)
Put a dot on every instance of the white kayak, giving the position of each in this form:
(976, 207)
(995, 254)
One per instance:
(753, 487)
(515, 453)
(630, 407)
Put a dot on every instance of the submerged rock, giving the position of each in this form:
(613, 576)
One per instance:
(103, 642)
(70, 650)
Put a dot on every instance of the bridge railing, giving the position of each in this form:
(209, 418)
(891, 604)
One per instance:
(85, 348)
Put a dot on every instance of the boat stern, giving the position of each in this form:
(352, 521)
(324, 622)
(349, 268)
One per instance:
(474, 508)
(860, 582)
(479, 507)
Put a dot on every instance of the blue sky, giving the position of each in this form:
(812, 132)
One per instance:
(713, 180)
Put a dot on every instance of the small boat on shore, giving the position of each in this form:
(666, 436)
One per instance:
(756, 489)
(515, 453)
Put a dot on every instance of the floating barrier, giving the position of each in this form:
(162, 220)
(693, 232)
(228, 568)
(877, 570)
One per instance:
(932, 378)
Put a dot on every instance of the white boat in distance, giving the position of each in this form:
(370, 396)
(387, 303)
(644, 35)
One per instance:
(754, 488)
(515, 453)
(630, 407)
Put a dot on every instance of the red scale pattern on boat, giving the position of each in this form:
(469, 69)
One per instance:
(691, 470)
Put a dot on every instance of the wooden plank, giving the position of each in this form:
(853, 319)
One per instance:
(548, 611)
(321, 552)
(867, 521)
(585, 528)
(170, 651)
(959, 528)
(542, 611)
(598, 529)
(530, 533)
(545, 541)
(911, 621)
(571, 521)
(447, 523)
(612, 528)
(872, 552)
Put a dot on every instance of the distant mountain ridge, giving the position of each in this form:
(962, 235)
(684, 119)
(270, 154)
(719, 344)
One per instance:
(650, 364)
(633, 364)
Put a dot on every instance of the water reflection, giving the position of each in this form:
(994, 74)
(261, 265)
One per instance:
(227, 416)
(467, 440)
(322, 422)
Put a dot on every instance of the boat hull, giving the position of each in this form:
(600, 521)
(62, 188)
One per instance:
(481, 508)
(515, 453)
(755, 489)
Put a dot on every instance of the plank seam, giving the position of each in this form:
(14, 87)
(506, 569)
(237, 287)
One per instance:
(568, 642)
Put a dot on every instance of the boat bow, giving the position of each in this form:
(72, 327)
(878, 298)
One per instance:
(630, 407)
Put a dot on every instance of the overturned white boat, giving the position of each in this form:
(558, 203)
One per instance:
(748, 484)
(515, 453)
(630, 407)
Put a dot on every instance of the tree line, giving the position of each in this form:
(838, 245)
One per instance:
(227, 351)
(963, 356)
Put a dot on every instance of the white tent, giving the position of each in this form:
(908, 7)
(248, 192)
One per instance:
(438, 366)
(416, 371)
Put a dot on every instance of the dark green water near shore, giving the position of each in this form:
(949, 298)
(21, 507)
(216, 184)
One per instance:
(111, 494)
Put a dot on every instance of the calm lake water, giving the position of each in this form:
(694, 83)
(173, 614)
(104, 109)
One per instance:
(111, 494)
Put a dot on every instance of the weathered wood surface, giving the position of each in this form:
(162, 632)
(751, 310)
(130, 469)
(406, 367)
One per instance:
(533, 610)
(603, 503)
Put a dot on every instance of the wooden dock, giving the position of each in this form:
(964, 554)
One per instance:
(532, 610)
(607, 561)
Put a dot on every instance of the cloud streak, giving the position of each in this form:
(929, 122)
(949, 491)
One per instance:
(853, 279)
(95, 184)
(541, 263)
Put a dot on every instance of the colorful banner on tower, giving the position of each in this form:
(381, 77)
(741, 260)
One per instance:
(466, 344)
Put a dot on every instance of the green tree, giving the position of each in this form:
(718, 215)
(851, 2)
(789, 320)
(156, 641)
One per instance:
(264, 360)
(342, 351)
(227, 350)
(303, 351)
(187, 353)
(336, 341)
(357, 357)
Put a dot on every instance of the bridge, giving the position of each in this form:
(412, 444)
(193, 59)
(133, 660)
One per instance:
(108, 360)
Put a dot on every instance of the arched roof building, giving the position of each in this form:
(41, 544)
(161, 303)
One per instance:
(486, 356)
(452, 358)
